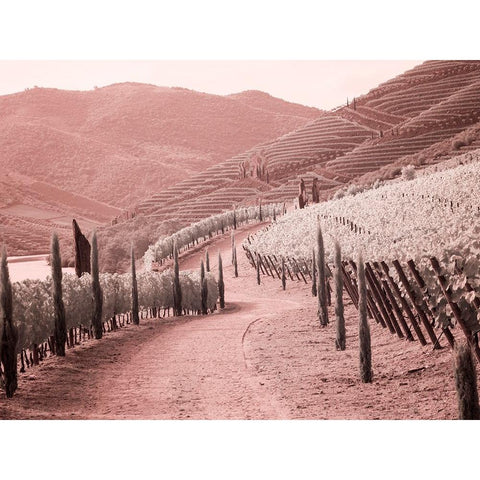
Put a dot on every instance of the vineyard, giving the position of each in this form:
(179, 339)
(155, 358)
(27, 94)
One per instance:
(34, 311)
(34, 302)
(419, 239)
(204, 229)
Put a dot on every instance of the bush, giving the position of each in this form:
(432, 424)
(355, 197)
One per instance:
(408, 172)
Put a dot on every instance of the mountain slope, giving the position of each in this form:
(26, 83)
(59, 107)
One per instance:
(420, 112)
(117, 146)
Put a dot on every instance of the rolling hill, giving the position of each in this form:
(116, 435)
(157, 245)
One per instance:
(423, 116)
(94, 154)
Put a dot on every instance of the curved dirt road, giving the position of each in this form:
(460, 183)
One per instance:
(263, 357)
(192, 367)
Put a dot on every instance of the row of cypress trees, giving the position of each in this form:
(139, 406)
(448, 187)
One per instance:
(365, 356)
(9, 337)
(177, 289)
(9, 333)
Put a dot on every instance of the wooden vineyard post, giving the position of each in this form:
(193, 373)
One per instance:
(288, 271)
(299, 271)
(387, 305)
(35, 354)
(378, 298)
(374, 299)
(307, 269)
(265, 265)
(296, 274)
(260, 264)
(405, 305)
(421, 283)
(372, 308)
(411, 295)
(393, 303)
(349, 286)
(455, 308)
(275, 268)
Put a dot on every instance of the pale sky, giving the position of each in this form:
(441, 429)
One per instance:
(322, 84)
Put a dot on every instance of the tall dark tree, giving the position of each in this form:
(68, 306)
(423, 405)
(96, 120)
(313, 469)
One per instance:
(97, 291)
(314, 275)
(204, 294)
(322, 280)
(135, 316)
(60, 331)
(466, 384)
(366, 373)
(221, 284)
(339, 317)
(177, 289)
(284, 278)
(203, 289)
(235, 263)
(8, 346)
(257, 258)
(82, 251)
(207, 261)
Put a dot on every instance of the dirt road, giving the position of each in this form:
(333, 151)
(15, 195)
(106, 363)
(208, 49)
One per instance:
(263, 357)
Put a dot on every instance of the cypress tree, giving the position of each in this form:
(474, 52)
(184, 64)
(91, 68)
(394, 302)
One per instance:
(207, 261)
(314, 275)
(233, 247)
(322, 281)
(235, 264)
(135, 317)
(202, 272)
(466, 384)
(274, 215)
(234, 218)
(203, 289)
(221, 285)
(177, 289)
(284, 278)
(97, 291)
(8, 347)
(339, 317)
(257, 258)
(260, 216)
(60, 331)
(366, 373)
(204, 294)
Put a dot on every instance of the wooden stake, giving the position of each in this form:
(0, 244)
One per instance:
(391, 298)
(405, 305)
(378, 298)
(411, 295)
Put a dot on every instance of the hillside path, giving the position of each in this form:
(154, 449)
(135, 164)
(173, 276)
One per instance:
(264, 357)
(171, 368)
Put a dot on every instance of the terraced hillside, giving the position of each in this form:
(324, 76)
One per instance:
(415, 112)
(423, 116)
(423, 107)
(94, 154)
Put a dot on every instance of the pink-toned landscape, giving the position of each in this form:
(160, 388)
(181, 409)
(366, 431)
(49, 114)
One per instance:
(390, 176)
(263, 357)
